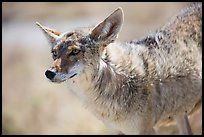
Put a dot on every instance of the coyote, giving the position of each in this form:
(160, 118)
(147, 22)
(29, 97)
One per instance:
(138, 85)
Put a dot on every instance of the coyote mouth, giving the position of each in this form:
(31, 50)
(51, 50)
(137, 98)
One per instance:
(72, 75)
(57, 81)
(62, 80)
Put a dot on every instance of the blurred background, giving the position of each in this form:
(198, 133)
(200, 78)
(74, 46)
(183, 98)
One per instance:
(33, 105)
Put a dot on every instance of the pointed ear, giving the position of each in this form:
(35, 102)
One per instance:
(108, 30)
(51, 34)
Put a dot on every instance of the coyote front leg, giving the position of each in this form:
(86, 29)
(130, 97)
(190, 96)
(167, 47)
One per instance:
(183, 124)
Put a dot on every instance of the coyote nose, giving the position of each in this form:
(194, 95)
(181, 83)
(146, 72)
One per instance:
(49, 74)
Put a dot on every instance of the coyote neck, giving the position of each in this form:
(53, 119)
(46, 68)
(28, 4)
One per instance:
(107, 79)
(109, 90)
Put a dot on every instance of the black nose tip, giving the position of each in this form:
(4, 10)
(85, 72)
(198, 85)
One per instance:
(49, 74)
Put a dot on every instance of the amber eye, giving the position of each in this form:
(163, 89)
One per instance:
(75, 52)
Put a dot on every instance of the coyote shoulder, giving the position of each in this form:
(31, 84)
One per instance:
(138, 85)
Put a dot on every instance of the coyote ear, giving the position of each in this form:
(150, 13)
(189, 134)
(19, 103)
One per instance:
(51, 34)
(108, 30)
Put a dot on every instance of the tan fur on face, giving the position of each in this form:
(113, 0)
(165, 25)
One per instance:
(73, 47)
(57, 65)
(64, 63)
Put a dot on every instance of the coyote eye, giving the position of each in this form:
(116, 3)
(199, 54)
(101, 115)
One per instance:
(54, 53)
(75, 52)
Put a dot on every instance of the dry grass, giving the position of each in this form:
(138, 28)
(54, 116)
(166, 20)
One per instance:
(33, 105)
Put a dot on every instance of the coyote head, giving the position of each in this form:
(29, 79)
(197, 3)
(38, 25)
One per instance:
(74, 51)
